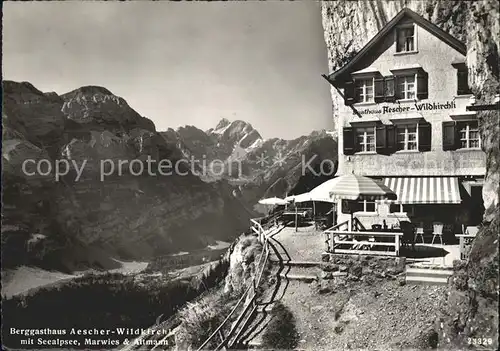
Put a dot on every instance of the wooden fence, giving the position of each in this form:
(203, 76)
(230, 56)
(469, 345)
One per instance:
(344, 241)
(246, 306)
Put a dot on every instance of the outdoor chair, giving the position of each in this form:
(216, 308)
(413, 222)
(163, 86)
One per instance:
(471, 230)
(408, 238)
(449, 233)
(437, 232)
(419, 231)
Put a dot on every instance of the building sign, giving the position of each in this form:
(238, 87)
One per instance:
(423, 106)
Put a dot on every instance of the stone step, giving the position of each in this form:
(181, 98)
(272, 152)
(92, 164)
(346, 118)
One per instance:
(301, 277)
(297, 263)
(335, 274)
(426, 265)
(427, 280)
(428, 272)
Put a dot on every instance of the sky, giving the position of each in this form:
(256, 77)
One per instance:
(180, 63)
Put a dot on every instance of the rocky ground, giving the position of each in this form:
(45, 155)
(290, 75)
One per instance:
(358, 315)
(376, 311)
(303, 244)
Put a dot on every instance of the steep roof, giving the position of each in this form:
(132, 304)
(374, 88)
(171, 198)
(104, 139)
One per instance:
(406, 12)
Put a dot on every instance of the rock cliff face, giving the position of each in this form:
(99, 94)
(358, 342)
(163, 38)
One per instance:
(348, 27)
(129, 213)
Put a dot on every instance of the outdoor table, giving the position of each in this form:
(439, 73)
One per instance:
(384, 238)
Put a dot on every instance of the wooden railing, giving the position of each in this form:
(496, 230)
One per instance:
(247, 304)
(347, 242)
(346, 225)
(339, 226)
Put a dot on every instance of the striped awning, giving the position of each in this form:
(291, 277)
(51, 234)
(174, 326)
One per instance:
(357, 187)
(424, 190)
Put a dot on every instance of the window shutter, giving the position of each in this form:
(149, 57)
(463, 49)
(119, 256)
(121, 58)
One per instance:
(391, 138)
(346, 206)
(348, 136)
(424, 136)
(349, 93)
(397, 91)
(389, 88)
(357, 144)
(379, 90)
(381, 139)
(450, 137)
(462, 82)
(422, 85)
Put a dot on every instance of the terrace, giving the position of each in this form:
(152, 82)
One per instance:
(419, 246)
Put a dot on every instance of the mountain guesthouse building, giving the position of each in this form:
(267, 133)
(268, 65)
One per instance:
(400, 113)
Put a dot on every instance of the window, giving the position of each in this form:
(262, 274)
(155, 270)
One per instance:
(405, 41)
(463, 81)
(406, 87)
(365, 206)
(358, 206)
(400, 208)
(396, 208)
(366, 139)
(407, 137)
(364, 90)
(469, 135)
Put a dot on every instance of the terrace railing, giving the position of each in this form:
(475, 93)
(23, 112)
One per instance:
(339, 239)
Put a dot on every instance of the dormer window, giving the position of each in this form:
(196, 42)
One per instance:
(364, 90)
(406, 88)
(405, 39)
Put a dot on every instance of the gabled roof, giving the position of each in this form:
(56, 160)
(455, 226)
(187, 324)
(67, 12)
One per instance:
(406, 12)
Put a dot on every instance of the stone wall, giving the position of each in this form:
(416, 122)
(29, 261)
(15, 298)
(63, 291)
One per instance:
(362, 267)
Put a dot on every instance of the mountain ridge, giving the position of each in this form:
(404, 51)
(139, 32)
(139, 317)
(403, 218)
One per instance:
(265, 167)
(126, 214)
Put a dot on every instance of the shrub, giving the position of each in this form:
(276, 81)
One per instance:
(281, 333)
(244, 264)
(199, 320)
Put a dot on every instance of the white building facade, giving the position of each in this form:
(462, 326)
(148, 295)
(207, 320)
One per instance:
(403, 121)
